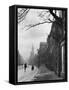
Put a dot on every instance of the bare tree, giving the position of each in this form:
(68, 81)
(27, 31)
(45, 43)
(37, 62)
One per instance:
(47, 16)
(22, 12)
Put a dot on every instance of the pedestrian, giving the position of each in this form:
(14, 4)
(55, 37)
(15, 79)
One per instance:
(22, 66)
(25, 66)
(32, 68)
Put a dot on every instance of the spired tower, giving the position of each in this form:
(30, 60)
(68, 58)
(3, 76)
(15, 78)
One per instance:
(32, 55)
(32, 52)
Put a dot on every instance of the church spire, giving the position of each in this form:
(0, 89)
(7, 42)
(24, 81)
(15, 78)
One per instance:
(32, 52)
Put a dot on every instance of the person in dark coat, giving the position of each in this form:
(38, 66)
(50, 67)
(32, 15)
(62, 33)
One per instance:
(32, 68)
(25, 66)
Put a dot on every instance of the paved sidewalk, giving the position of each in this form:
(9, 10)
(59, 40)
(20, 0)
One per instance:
(27, 75)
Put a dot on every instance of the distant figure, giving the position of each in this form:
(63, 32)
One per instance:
(22, 65)
(25, 66)
(32, 68)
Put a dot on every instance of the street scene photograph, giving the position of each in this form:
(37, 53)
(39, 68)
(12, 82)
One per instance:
(41, 44)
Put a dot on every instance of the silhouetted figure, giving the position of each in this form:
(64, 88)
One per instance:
(32, 68)
(22, 65)
(25, 66)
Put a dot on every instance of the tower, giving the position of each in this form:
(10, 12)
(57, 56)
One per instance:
(32, 52)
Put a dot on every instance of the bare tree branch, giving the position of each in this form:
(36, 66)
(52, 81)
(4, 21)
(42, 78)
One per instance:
(54, 15)
(58, 19)
(22, 14)
(45, 15)
(51, 20)
(33, 25)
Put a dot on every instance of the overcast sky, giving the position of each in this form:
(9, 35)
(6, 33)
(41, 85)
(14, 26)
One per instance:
(32, 36)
